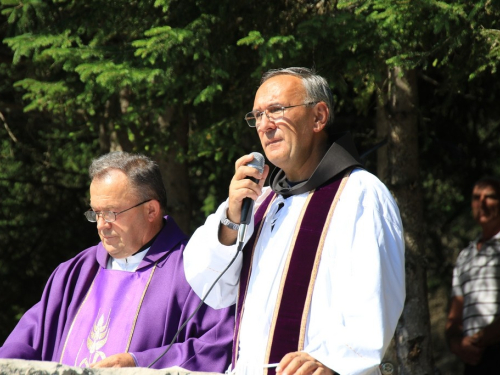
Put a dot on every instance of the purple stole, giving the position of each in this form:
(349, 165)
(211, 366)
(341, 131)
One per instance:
(288, 327)
(105, 322)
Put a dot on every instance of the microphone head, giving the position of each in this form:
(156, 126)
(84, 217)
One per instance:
(257, 162)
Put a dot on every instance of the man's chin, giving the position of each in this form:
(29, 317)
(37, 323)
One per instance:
(482, 220)
(275, 157)
(114, 251)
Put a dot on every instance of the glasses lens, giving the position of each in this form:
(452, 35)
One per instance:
(90, 215)
(274, 112)
(108, 216)
(251, 120)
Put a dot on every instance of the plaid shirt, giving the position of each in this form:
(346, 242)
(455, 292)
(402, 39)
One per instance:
(476, 278)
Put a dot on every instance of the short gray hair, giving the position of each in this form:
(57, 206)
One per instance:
(143, 173)
(317, 89)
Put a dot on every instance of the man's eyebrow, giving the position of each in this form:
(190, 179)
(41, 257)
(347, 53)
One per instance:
(105, 208)
(269, 105)
(493, 195)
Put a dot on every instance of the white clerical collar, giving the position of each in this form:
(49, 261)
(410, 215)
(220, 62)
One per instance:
(128, 264)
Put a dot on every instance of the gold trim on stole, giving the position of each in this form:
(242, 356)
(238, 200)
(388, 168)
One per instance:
(139, 307)
(305, 313)
(314, 273)
(283, 277)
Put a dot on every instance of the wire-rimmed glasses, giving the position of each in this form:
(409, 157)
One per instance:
(108, 216)
(273, 113)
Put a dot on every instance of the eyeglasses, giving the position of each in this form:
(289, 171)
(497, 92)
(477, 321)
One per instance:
(108, 216)
(273, 112)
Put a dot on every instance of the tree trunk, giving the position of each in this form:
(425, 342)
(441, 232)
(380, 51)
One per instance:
(175, 173)
(398, 167)
(112, 138)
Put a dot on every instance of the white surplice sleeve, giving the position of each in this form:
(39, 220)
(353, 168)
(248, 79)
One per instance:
(205, 258)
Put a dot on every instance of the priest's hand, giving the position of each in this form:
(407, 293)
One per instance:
(116, 360)
(241, 187)
(300, 363)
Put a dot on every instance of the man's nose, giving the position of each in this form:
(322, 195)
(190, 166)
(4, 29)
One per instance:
(101, 223)
(266, 124)
(483, 201)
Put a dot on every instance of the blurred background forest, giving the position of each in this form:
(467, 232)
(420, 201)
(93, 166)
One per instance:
(173, 79)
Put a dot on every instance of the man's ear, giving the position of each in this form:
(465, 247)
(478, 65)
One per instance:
(153, 209)
(320, 116)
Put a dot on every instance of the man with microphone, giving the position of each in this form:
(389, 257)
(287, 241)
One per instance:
(319, 284)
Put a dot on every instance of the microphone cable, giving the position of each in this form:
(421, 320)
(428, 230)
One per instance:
(240, 245)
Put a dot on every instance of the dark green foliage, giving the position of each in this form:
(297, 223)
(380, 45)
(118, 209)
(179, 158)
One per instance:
(79, 78)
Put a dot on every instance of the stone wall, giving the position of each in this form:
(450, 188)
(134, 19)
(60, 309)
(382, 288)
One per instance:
(21, 367)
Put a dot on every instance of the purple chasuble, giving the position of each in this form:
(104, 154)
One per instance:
(105, 321)
(204, 344)
(287, 331)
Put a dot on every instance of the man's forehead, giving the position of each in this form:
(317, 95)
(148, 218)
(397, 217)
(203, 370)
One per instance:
(113, 178)
(110, 189)
(279, 89)
(484, 189)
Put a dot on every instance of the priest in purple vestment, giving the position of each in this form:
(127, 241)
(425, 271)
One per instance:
(121, 303)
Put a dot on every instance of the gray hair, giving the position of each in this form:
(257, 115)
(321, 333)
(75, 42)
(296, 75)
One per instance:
(317, 89)
(143, 173)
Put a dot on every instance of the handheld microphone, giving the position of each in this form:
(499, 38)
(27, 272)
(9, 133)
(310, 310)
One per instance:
(247, 205)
